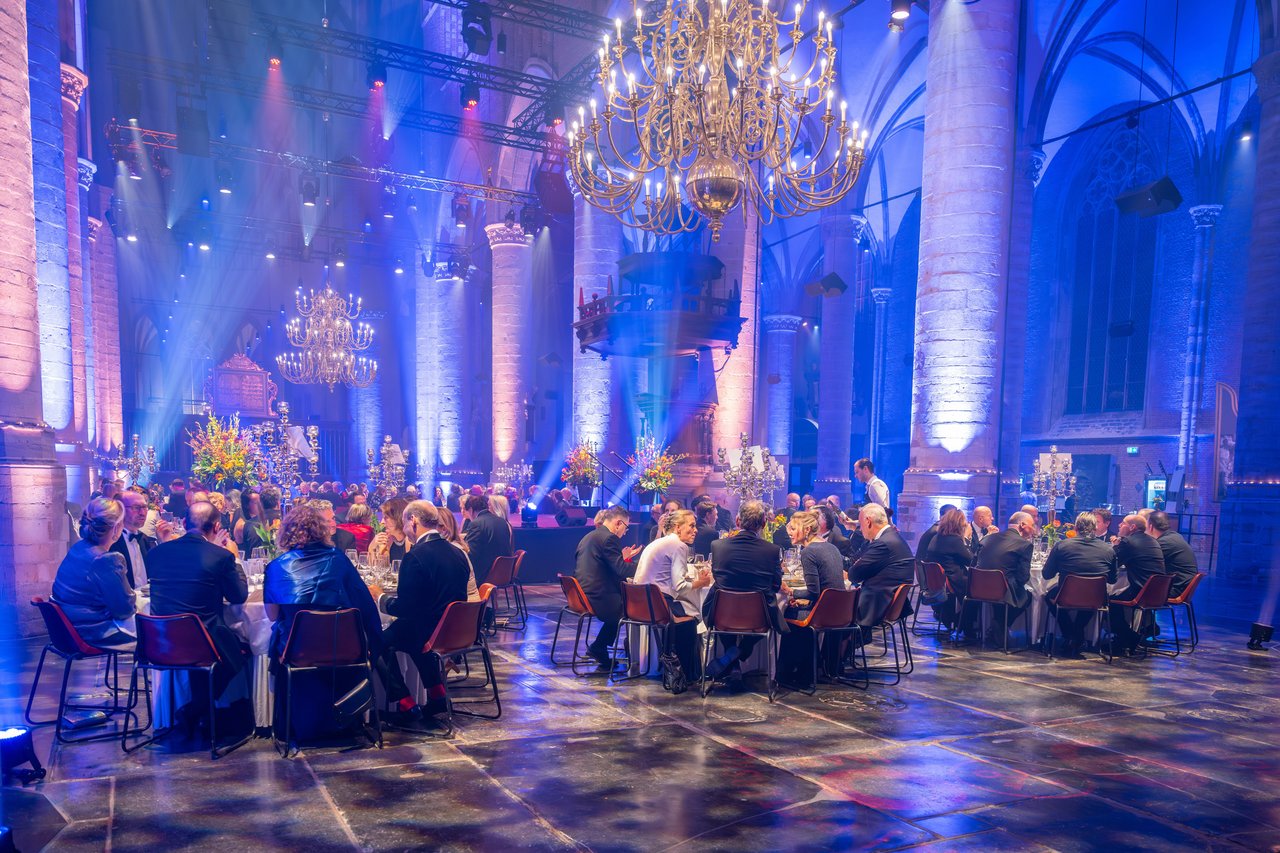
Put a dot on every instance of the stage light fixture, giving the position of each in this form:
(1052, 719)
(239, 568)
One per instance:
(399, 267)
(502, 44)
(339, 254)
(203, 242)
(222, 173)
(127, 155)
(1259, 634)
(1246, 132)
(555, 114)
(310, 189)
(469, 96)
(895, 26)
(461, 210)
(477, 28)
(901, 10)
(529, 215)
(377, 74)
(16, 749)
(275, 50)
(388, 202)
(510, 218)
(271, 249)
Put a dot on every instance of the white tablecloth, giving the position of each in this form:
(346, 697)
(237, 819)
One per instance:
(1039, 588)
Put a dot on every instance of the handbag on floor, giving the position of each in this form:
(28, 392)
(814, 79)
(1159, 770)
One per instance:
(673, 678)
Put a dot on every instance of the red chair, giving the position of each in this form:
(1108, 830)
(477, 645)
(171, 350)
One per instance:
(932, 583)
(325, 640)
(891, 624)
(1184, 601)
(741, 614)
(460, 633)
(987, 588)
(505, 577)
(171, 644)
(576, 605)
(1076, 593)
(834, 613)
(65, 642)
(1152, 598)
(645, 607)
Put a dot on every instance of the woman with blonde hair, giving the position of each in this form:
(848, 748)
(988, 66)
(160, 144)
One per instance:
(92, 586)
(823, 567)
(449, 530)
(358, 525)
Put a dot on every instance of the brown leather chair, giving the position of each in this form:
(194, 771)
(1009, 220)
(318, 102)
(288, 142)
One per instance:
(178, 643)
(1152, 598)
(65, 642)
(325, 640)
(460, 633)
(931, 582)
(741, 614)
(987, 588)
(505, 578)
(576, 605)
(834, 613)
(1077, 592)
(891, 625)
(1184, 601)
(644, 606)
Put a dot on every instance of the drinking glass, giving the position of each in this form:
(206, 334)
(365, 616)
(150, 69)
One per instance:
(352, 556)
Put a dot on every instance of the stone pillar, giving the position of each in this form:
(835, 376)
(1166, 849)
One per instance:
(780, 352)
(425, 378)
(106, 308)
(1205, 216)
(969, 135)
(1249, 543)
(738, 249)
(597, 245)
(33, 526)
(451, 292)
(842, 233)
(74, 82)
(85, 170)
(880, 296)
(512, 320)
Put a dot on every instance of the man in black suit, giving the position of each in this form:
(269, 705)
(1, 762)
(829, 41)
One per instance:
(196, 573)
(744, 562)
(983, 526)
(922, 547)
(885, 564)
(176, 505)
(433, 575)
(707, 532)
(829, 530)
(488, 536)
(1084, 555)
(1142, 559)
(133, 544)
(1179, 559)
(1010, 552)
(602, 564)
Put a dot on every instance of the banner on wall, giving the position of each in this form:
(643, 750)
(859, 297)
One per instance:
(1224, 440)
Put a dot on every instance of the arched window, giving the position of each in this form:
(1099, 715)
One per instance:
(1110, 284)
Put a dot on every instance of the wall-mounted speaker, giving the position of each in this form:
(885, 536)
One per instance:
(1153, 199)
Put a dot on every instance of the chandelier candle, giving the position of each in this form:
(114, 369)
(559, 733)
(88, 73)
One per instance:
(328, 343)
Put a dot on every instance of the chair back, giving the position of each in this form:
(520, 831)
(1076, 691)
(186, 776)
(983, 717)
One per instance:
(935, 579)
(1082, 592)
(63, 636)
(180, 641)
(515, 570)
(835, 609)
(893, 612)
(574, 596)
(503, 571)
(987, 585)
(741, 611)
(1190, 590)
(486, 590)
(1155, 592)
(458, 629)
(326, 639)
(645, 603)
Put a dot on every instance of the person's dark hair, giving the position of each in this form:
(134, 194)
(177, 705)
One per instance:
(706, 513)
(613, 513)
(864, 462)
(1104, 517)
(270, 500)
(671, 505)
(246, 504)
(304, 525)
(202, 516)
(829, 517)
(394, 509)
(952, 524)
(476, 503)
(946, 508)
(100, 517)
(1159, 520)
(455, 489)
(177, 483)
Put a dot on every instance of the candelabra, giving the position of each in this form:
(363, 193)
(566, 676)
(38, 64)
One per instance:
(748, 480)
(387, 474)
(518, 474)
(327, 343)
(142, 457)
(1054, 481)
(279, 447)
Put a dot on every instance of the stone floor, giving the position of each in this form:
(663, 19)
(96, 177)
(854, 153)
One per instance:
(973, 751)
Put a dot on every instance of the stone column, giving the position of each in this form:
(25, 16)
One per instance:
(1248, 540)
(512, 320)
(597, 245)
(74, 82)
(780, 352)
(33, 527)
(85, 170)
(842, 233)
(735, 384)
(969, 135)
(880, 296)
(426, 379)
(1205, 216)
(441, 308)
(106, 308)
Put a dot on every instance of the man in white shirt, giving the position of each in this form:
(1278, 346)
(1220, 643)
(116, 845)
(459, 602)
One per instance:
(877, 489)
(663, 563)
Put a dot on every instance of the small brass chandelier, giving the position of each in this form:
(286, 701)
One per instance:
(701, 112)
(328, 343)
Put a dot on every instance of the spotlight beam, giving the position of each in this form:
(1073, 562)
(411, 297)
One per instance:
(542, 15)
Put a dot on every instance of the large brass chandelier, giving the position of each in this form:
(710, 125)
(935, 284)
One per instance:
(328, 343)
(702, 107)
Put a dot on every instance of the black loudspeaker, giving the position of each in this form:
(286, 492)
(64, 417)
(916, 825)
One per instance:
(571, 516)
(1158, 197)
(193, 132)
(832, 285)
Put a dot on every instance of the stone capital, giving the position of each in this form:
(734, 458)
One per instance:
(782, 323)
(94, 224)
(502, 234)
(1205, 215)
(1266, 71)
(74, 82)
(1033, 165)
(838, 224)
(85, 170)
(861, 227)
(880, 295)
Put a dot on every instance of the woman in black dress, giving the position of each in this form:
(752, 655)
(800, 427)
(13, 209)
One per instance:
(950, 550)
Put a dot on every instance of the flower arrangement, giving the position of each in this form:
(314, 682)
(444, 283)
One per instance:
(223, 455)
(267, 533)
(580, 467)
(654, 465)
(772, 525)
(1051, 532)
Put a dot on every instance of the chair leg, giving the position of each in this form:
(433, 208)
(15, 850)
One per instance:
(31, 697)
(773, 639)
(555, 638)
(1193, 628)
(492, 678)
(62, 703)
(708, 647)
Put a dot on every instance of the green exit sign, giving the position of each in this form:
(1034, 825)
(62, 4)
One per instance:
(1131, 450)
